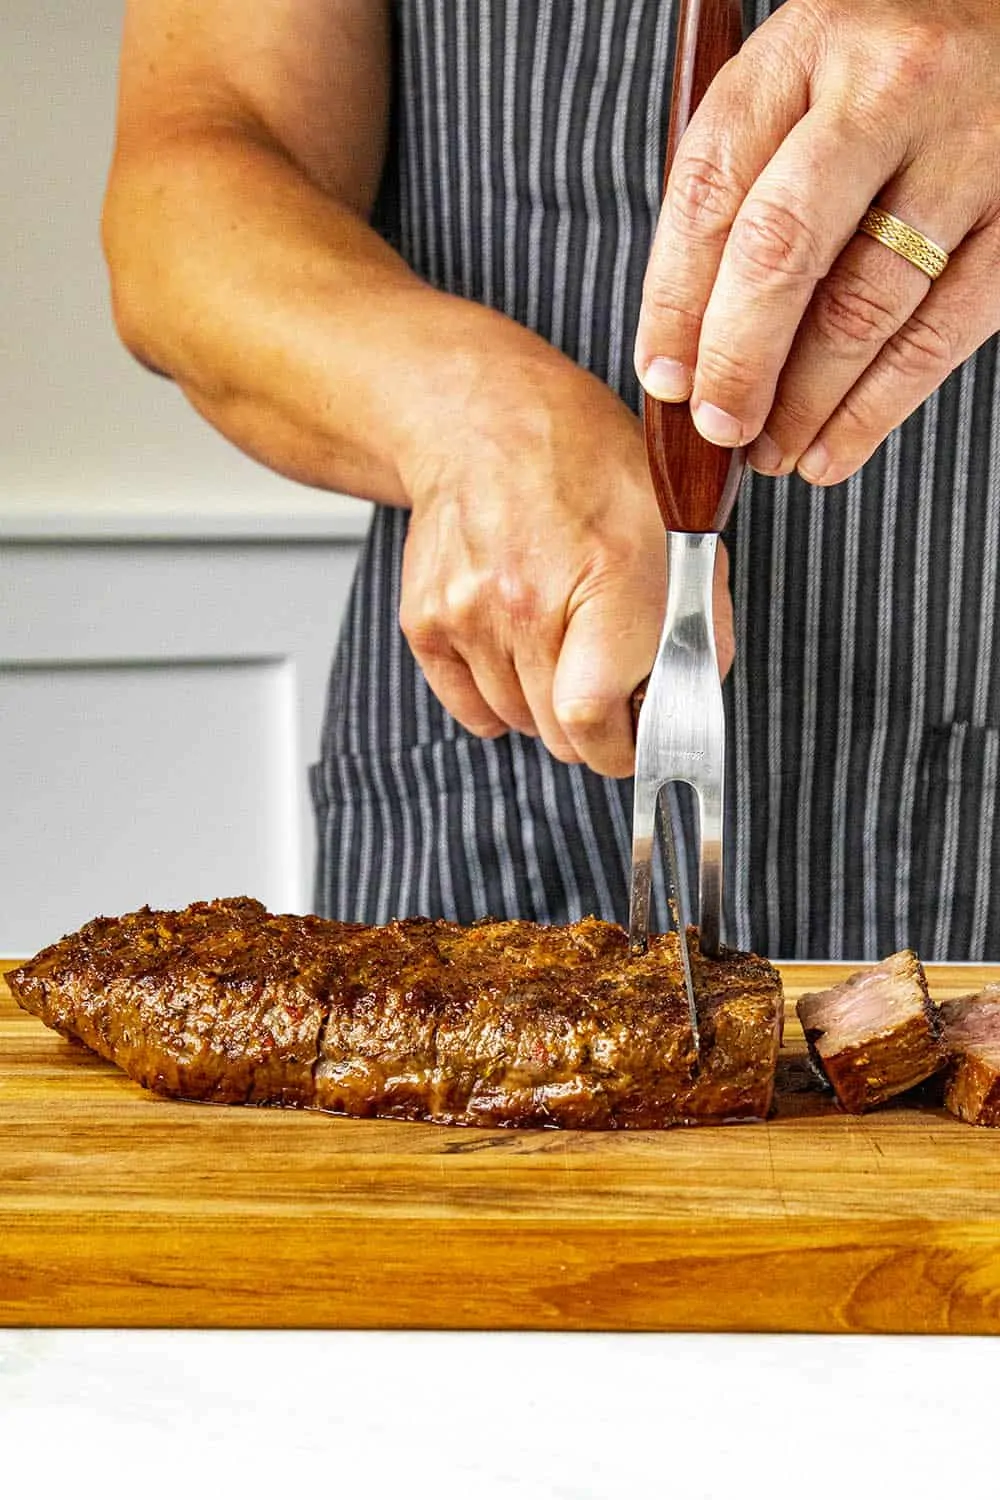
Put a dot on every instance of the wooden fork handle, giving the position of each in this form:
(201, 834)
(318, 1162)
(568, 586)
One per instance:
(695, 481)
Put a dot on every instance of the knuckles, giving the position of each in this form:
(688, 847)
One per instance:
(774, 241)
(905, 47)
(922, 350)
(701, 198)
(462, 600)
(468, 604)
(794, 413)
(847, 310)
(730, 379)
(909, 58)
(422, 629)
(519, 602)
(660, 302)
(582, 715)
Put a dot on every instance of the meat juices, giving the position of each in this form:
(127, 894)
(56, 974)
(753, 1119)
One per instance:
(972, 1038)
(500, 1023)
(876, 1035)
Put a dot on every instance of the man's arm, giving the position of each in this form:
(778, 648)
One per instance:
(249, 150)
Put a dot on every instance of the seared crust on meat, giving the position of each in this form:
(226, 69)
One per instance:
(876, 1035)
(972, 1038)
(500, 1023)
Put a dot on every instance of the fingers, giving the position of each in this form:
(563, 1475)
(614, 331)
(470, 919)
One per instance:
(602, 660)
(758, 206)
(497, 683)
(512, 652)
(760, 304)
(570, 688)
(870, 294)
(453, 634)
(535, 662)
(433, 620)
(959, 313)
(607, 650)
(745, 115)
(792, 225)
(486, 696)
(454, 686)
(574, 689)
(865, 299)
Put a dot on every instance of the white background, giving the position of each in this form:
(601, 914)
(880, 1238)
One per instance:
(499, 1416)
(83, 429)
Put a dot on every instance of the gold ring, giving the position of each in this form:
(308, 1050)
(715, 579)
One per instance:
(905, 240)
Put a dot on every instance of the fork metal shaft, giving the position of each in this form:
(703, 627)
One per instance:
(681, 737)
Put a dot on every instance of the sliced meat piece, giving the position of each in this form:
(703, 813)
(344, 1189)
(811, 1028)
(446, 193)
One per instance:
(876, 1035)
(501, 1023)
(972, 1039)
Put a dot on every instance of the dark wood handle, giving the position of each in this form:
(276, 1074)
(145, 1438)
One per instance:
(695, 481)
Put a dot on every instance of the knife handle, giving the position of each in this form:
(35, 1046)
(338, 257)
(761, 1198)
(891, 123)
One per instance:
(695, 481)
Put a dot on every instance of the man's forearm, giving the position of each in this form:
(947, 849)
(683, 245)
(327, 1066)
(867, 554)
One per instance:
(286, 320)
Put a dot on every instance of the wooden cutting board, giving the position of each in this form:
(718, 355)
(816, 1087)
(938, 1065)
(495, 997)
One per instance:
(120, 1209)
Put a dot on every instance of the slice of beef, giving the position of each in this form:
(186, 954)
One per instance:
(876, 1035)
(500, 1023)
(972, 1039)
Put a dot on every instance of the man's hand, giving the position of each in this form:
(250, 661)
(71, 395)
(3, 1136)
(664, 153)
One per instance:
(784, 327)
(533, 578)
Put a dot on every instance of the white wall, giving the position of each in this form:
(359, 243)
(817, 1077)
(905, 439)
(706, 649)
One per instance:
(82, 427)
(167, 607)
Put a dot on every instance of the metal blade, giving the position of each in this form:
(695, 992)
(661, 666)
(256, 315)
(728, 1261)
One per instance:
(711, 796)
(677, 909)
(643, 824)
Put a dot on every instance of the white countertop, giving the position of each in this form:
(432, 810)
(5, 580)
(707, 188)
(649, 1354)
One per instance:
(494, 1416)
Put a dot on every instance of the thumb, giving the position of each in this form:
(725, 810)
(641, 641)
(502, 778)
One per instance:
(607, 649)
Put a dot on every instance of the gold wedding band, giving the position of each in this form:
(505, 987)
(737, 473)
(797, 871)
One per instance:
(905, 240)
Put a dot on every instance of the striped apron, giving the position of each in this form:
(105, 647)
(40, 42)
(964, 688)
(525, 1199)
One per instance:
(864, 706)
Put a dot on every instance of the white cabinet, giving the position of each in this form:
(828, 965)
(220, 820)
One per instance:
(160, 701)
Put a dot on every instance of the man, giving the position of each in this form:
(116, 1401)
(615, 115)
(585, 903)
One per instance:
(467, 362)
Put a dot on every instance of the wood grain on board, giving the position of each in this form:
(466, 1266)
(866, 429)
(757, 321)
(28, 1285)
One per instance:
(121, 1209)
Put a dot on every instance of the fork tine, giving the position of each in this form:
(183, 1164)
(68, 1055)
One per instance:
(679, 907)
(681, 736)
(677, 900)
(711, 796)
(643, 820)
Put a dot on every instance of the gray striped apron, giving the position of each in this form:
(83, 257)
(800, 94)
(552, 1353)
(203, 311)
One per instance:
(864, 706)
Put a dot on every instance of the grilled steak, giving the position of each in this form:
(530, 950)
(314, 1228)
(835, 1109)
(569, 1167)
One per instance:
(876, 1035)
(500, 1023)
(972, 1039)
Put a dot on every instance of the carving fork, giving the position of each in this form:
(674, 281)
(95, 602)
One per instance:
(681, 733)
